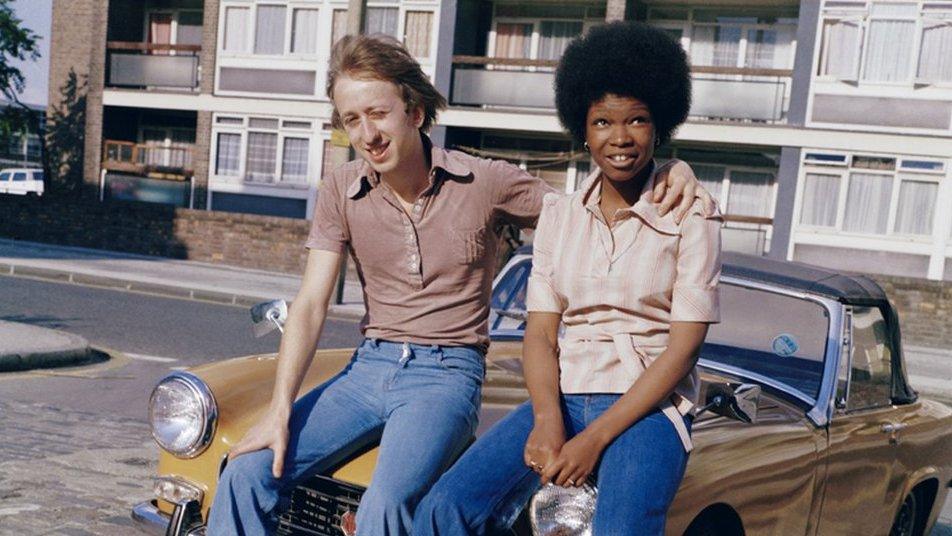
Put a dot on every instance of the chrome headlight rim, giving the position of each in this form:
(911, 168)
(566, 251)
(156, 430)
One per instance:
(209, 423)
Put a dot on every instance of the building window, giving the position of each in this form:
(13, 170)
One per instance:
(935, 59)
(304, 31)
(263, 150)
(236, 29)
(417, 33)
(820, 198)
(879, 44)
(382, 20)
(726, 37)
(867, 203)
(269, 29)
(750, 194)
(261, 157)
(881, 197)
(840, 49)
(916, 207)
(513, 40)
(555, 36)
(228, 154)
(294, 160)
(339, 25)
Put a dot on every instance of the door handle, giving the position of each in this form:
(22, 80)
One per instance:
(892, 427)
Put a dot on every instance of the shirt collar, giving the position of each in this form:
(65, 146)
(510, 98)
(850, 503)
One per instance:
(644, 208)
(442, 164)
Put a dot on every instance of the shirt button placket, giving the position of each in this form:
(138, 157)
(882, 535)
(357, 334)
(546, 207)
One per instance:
(413, 257)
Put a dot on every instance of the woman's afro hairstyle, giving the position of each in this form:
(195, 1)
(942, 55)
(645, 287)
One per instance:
(628, 59)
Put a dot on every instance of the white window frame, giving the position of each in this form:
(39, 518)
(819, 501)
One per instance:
(312, 134)
(844, 172)
(862, 14)
(311, 62)
(688, 27)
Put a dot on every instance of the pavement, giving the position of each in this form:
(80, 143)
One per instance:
(26, 347)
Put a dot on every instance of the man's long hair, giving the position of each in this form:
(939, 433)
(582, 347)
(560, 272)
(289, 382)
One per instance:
(380, 57)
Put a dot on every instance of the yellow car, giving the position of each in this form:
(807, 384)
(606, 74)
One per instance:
(808, 427)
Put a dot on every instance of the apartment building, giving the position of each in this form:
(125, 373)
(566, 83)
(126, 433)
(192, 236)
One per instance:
(822, 126)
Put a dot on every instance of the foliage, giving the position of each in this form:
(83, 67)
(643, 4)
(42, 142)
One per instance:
(16, 43)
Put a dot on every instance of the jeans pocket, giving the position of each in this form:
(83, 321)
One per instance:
(468, 363)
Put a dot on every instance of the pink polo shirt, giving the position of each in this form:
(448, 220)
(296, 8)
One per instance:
(427, 275)
(619, 288)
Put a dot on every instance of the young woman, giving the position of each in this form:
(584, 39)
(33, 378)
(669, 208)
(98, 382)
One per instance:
(636, 292)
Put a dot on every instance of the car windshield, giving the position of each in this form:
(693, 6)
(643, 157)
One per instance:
(4, 176)
(761, 334)
(37, 175)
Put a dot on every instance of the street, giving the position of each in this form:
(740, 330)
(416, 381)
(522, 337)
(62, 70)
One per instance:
(77, 452)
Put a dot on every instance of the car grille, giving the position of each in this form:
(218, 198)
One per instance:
(317, 506)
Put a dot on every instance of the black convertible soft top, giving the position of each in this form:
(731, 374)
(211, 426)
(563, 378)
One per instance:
(853, 289)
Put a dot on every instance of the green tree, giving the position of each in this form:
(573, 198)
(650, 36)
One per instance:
(16, 43)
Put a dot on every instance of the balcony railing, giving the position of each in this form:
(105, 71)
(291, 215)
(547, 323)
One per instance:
(719, 93)
(148, 159)
(147, 65)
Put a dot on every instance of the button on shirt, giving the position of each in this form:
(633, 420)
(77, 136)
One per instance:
(618, 286)
(427, 272)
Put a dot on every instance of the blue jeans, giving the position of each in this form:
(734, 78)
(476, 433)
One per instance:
(420, 402)
(486, 489)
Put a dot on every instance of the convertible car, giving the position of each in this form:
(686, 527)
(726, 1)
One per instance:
(807, 425)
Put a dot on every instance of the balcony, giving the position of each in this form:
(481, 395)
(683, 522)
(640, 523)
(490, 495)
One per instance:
(719, 93)
(148, 159)
(153, 66)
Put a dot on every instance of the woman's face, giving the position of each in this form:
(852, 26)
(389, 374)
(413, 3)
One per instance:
(620, 136)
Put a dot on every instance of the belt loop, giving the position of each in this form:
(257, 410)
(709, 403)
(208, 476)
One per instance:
(405, 354)
(437, 353)
(373, 343)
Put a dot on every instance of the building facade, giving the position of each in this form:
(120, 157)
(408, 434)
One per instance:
(822, 127)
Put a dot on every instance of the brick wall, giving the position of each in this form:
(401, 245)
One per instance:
(925, 309)
(249, 241)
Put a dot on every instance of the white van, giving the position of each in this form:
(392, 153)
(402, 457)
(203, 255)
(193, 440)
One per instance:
(21, 181)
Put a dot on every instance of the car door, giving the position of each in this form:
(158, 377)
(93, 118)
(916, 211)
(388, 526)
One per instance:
(18, 183)
(862, 482)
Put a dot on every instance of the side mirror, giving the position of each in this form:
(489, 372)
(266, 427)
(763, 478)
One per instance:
(267, 316)
(733, 401)
(515, 314)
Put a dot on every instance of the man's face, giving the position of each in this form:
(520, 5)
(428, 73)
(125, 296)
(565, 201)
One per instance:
(377, 122)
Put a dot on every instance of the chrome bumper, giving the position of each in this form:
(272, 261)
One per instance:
(149, 519)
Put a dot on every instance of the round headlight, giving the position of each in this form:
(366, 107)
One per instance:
(183, 414)
(558, 511)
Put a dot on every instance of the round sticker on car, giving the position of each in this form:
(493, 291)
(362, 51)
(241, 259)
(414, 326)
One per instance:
(785, 345)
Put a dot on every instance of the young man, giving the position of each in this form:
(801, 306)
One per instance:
(420, 223)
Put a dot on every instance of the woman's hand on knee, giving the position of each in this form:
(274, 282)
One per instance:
(544, 443)
(575, 462)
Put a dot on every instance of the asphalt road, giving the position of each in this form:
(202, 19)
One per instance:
(157, 333)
